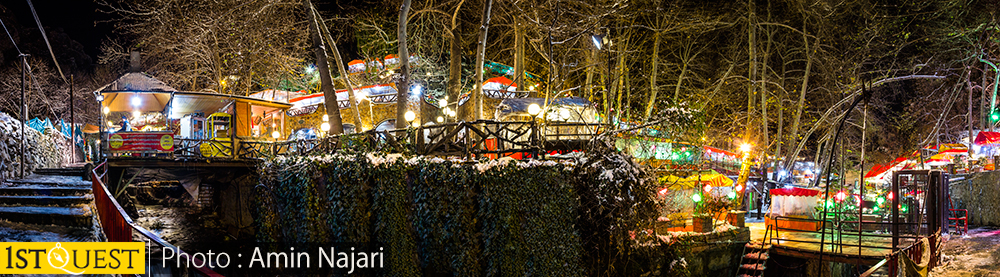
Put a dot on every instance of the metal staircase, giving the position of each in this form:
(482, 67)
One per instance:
(755, 256)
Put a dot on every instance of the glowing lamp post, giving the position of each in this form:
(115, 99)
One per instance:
(410, 116)
(534, 110)
(325, 127)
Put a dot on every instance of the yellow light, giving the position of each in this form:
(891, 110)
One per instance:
(325, 127)
(409, 116)
(326, 117)
(440, 119)
(534, 109)
(110, 124)
(107, 110)
(98, 141)
(415, 124)
(275, 134)
(564, 114)
(745, 147)
(136, 114)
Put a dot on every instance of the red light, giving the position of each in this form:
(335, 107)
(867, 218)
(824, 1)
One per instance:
(708, 188)
(739, 188)
(890, 195)
(663, 192)
(840, 196)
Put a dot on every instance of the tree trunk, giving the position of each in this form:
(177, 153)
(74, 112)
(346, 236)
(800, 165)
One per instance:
(621, 81)
(762, 85)
(326, 84)
(590, 76)
(653, 89)
(352, 101)
(403, 87)
(680, 80)
(455, 65)
(968, 117)
(794, 133)
(751, 70)
(519, 58)
(480, 59)
(779, 139)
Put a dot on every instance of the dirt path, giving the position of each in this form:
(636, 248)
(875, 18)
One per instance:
(975, 254)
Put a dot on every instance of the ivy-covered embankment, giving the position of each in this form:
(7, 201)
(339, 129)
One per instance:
(454, 218)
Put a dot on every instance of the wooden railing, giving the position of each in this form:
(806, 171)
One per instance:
(914, 251)
(117, 226)
(469, 139)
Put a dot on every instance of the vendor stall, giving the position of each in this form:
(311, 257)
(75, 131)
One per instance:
(793, 208)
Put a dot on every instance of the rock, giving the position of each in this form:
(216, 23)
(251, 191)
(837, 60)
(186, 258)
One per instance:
(42, 149)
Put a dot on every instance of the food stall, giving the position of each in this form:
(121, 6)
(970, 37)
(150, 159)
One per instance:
(144, 117)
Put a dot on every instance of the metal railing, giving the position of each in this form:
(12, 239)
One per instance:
(117, 226)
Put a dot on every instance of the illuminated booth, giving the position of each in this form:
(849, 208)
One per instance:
(142, 115)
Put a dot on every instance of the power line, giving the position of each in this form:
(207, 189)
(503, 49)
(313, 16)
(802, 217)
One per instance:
(11, 37)
(46, 38)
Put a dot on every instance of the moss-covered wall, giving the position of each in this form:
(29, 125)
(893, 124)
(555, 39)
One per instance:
(978, 193)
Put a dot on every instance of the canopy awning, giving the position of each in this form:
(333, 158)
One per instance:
(794, 192)
(276, 95)
(712, 177)
(136, 91)
(939, 159)
(987, 138)
(500, 83)
(513, 105)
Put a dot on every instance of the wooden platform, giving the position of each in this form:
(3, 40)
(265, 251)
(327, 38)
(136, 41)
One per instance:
(159, 162)
(874, 247)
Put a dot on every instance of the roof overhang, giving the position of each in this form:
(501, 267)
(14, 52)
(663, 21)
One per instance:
(180, 103)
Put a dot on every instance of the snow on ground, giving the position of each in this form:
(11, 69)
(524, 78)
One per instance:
(975, 254)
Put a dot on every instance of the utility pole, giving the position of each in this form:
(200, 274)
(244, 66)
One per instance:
(24, 107)
(72, 122)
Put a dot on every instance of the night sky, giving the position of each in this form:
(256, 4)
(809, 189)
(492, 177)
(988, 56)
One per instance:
(77, 18)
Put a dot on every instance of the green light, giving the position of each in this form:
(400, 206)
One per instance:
(903, 209)
(731, 194)
(696, 197)
(995, 116)
(829, 204)
(880, 200)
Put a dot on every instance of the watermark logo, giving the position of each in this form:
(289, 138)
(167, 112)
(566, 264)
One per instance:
(72, 258)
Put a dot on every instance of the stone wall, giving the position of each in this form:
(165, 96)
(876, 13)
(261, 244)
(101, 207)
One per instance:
(980, 194)
(42, 149)
(715, 254)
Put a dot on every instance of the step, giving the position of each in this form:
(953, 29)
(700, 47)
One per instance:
(64, 216)
(755, 267)
(37, 200)
(51, 180)
(44, 190)
(72, 171)
(757, 256)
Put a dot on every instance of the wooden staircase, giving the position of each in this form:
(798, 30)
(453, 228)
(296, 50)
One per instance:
(755, 255)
